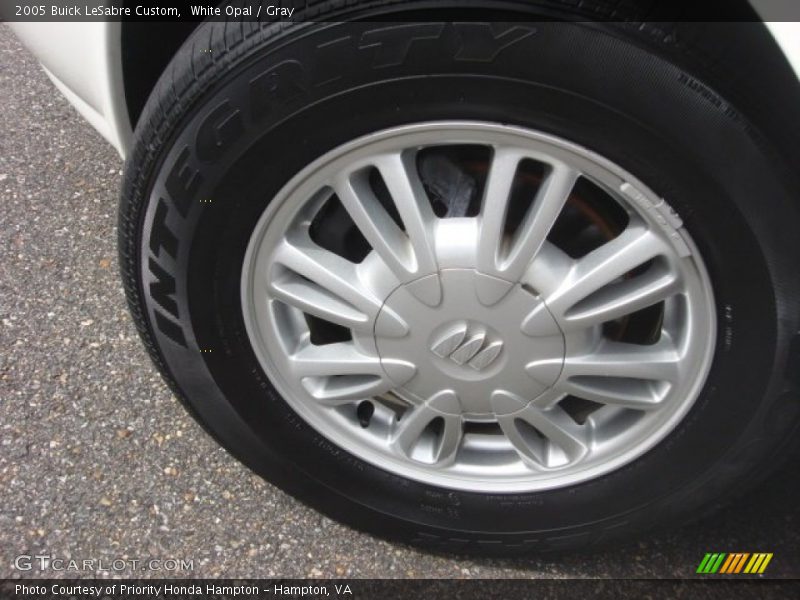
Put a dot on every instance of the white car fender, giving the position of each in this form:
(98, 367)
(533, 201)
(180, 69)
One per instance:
(84, 60)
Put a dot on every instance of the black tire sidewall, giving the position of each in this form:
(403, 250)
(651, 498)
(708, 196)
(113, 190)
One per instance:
(600, 92)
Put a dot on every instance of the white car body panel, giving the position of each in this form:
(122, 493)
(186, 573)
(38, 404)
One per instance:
(85, 63)
(787, 34)
(84, 60)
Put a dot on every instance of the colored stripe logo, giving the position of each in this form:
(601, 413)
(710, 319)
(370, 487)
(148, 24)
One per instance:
(732, 563)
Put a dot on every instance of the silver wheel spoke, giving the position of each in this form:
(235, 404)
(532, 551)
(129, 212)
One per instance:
(614, 373)
(408, 254)
(495, 206)
(409, 430)
(660, 362)
(624, 298)
(342, 358)
(626, 393)
(385, 237)
(413, 206)
(327, 286)
(533, 231)
(598, 269)
(506, 261)
(509, 260)
(544, 438)
(632, 248)
(340, 372)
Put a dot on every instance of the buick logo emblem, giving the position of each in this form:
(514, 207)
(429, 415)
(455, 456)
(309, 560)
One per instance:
(468, 345)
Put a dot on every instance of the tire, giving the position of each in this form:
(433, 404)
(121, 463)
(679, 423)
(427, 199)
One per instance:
(225, 131)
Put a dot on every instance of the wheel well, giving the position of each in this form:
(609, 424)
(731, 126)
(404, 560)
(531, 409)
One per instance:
(147, 49)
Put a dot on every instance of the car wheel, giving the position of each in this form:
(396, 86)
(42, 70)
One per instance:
(482, 287)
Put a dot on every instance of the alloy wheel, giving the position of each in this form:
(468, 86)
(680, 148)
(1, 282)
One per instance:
(478, 306)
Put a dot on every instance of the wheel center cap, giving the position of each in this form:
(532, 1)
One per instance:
(471, 350)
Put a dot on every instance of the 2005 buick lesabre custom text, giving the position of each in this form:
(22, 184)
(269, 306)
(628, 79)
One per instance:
(76, 10)
(479, 285)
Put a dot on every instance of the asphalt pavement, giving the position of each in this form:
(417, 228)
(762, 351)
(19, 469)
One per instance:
(98, 460)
